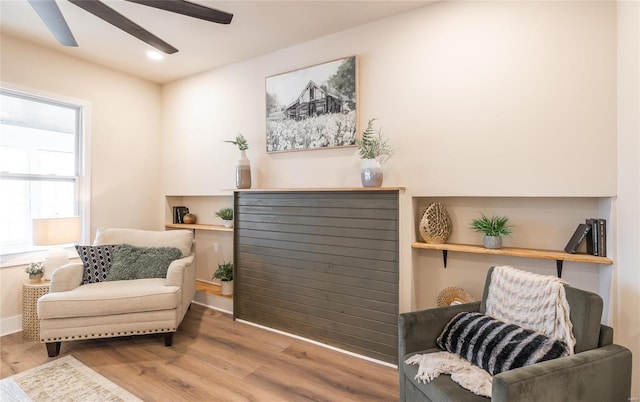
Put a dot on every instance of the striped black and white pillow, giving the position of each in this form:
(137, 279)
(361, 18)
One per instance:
(497, 346)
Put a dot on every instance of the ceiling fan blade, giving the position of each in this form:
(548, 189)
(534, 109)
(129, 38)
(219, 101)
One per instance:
(52, 17)
(188, 9)
(116, 19)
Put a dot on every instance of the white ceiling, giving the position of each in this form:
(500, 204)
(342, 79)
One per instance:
(258, 27)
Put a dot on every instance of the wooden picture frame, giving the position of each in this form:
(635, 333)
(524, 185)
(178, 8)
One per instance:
(313, 107)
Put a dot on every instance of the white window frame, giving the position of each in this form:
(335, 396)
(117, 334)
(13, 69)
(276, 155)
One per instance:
(83, 175)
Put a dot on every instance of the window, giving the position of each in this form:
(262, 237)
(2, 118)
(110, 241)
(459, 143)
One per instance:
(39, 165)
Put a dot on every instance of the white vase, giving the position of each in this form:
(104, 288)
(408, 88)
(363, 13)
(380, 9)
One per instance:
(226, 288)
(492, 242)
(243, 171)
(371, 174)
(227, 223)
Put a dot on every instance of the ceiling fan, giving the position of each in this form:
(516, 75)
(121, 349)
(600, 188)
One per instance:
(51, 15)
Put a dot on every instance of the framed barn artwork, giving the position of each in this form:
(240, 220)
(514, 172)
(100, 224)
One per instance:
(312, 108)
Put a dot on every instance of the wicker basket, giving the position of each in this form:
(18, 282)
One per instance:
(453, 295)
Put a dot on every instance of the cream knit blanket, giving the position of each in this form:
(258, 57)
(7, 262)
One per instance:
(536, 302)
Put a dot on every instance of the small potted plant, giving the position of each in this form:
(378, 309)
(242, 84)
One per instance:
(225, 274)
(243, 167)
(226, 214)
(493, 228)
(35, 271)
(374, 150)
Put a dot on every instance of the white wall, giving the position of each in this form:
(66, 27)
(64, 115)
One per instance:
(124, 138)
(628, 235)
(459, 88)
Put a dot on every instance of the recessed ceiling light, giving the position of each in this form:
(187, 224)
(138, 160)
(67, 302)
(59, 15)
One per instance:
(154, 55)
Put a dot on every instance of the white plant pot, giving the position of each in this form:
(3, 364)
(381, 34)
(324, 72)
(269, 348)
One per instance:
(492, 242)
(228, 224)
(371, 174)
(226, 288)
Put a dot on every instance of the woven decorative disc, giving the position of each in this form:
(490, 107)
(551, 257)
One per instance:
(453, 295)
(435, 225)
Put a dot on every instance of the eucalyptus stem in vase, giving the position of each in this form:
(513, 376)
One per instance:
(243, 167)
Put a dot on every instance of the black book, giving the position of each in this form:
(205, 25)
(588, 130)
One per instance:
(577, 238)
(179, 213)
(602, 237)
(593, 246)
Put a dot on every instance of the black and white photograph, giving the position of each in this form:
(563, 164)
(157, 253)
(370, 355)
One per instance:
(312, 108)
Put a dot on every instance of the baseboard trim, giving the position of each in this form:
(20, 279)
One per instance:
(213, 307)
(215, 302)
(324, 345)
(10, 325)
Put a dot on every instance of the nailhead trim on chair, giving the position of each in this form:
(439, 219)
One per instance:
(109, 335)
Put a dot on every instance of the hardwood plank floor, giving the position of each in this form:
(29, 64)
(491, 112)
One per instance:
(214, 358)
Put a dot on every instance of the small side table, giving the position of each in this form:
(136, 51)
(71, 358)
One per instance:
(31, 292)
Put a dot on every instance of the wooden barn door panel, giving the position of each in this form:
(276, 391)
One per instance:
(320, 264)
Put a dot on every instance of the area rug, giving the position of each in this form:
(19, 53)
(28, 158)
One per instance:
(65, 379)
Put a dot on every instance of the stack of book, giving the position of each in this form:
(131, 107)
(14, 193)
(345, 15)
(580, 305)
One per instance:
(179, 213)
(594, 232)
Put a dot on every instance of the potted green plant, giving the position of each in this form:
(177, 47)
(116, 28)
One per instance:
(374, 150)
(35, 271)
(226, 214)
(243, 167)
(225, 274)
(493, 228)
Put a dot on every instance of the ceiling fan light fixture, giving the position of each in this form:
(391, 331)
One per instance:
(155, 55)
(52, 17)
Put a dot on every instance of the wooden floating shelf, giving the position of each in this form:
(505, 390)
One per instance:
(318, 189)
(558, 256)
(198, 226)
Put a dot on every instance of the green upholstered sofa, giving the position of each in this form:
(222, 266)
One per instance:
(598, 371)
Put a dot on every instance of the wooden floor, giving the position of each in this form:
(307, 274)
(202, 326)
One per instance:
(214, 358)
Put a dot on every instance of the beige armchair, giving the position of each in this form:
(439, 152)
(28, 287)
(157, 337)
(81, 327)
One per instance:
(74, 311)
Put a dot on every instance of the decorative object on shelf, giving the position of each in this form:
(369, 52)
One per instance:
(225, 274)
(371, 174)
(597, 237)
(243, 167)
(453, 295)
(226, 214)
(435, 225)
(493, 228)
(35, 271)
(312, 108)
(577, 238)
(374, 151)
(55, 231)
(178, 214)
(189, 219)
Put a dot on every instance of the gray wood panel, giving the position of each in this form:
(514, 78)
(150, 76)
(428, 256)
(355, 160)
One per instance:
(320, 230)
(320, 264)
(342, 270)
